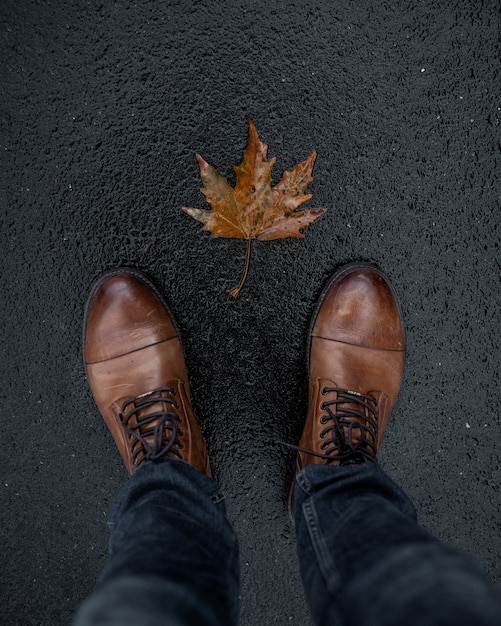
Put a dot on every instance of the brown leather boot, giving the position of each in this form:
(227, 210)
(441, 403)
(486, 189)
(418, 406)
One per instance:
(356, 353)
(137, 374)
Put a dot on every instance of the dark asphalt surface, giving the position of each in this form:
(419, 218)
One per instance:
(103, 106)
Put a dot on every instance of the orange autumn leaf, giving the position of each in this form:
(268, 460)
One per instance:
(253, 209)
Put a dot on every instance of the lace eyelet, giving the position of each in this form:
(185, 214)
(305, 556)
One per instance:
(324, 391)
(322, 435)
(323, 406)
(324, 419)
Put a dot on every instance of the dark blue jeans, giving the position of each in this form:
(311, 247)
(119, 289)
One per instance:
(363, 558)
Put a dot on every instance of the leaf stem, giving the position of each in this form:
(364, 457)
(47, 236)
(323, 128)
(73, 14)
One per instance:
(236, 292)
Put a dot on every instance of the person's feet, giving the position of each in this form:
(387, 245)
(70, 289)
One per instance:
(355, 353)
(137, 373)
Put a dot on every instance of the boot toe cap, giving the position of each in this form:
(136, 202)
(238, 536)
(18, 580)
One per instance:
(123, 315)
(350, 307)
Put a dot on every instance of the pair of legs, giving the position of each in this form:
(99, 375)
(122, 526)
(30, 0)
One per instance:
(173, 555)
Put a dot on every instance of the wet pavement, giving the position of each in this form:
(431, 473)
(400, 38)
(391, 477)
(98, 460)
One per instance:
(103, 106)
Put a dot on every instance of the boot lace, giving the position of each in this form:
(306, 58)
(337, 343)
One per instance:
(350, 433)
(351, 426)
(154, 434)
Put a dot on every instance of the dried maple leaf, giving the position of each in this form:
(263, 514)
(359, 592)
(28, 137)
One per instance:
(253, 209)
